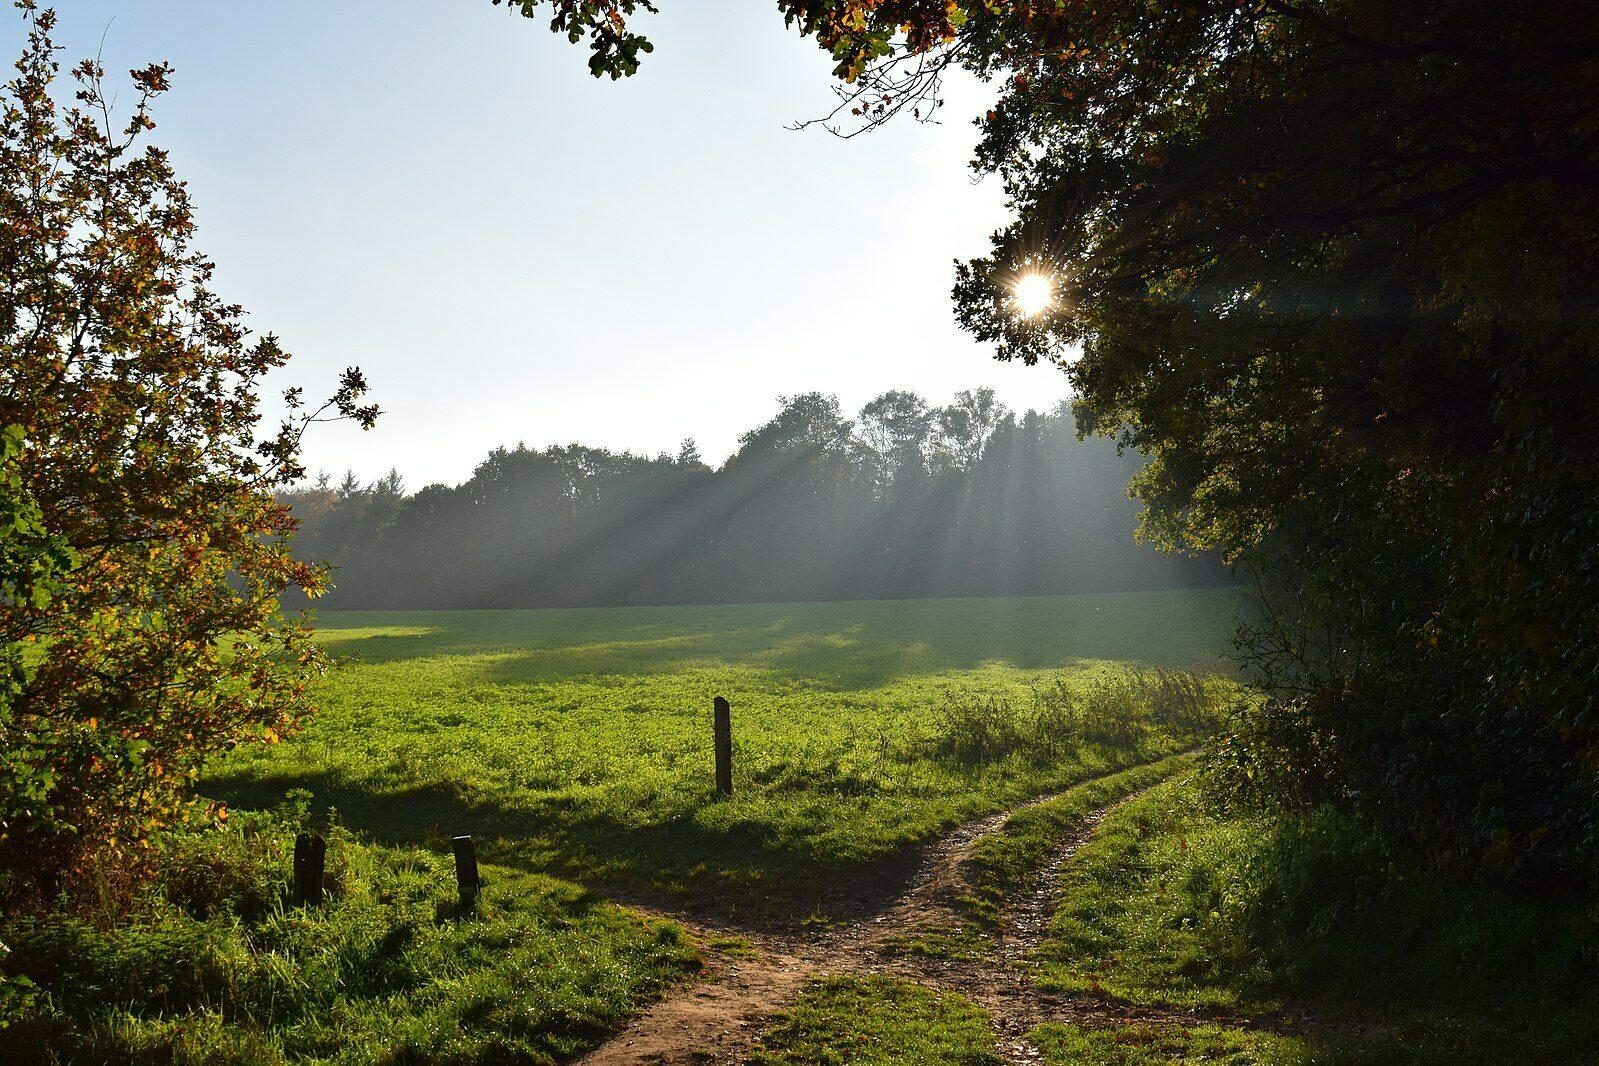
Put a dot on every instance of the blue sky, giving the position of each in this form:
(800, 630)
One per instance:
(438, 192)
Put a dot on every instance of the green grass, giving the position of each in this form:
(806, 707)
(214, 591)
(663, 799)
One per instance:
(1005, 859)
(216, 967)
(1176, 903)
(878, 1021)
(575, 746)
(577, 742)
(1138, 1045)
(1009, 857)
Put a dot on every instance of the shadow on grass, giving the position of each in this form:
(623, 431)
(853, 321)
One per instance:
(742, 871)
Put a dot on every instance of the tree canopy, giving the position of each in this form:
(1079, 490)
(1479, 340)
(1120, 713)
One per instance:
(1332, 266)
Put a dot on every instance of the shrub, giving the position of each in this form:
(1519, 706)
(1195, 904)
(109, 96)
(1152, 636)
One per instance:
(971, 730)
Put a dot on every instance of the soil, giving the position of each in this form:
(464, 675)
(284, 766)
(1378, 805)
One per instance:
(752, 974)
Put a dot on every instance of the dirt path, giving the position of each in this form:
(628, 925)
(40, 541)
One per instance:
(719, 1017)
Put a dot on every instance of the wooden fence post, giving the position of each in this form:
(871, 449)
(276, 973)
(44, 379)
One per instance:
(466, 879)
(723, 723)
(310, 860)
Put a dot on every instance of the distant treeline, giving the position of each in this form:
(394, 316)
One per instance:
(905, 500)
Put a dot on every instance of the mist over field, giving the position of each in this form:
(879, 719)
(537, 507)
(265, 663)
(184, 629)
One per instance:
(903, 500)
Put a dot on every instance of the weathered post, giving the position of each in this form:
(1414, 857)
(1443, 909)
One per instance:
(310, 860)
(466, 879)
(723, 725)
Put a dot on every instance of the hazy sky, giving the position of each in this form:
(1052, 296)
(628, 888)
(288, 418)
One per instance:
(439, 193)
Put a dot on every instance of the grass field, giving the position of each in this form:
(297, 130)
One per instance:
(575, 746)
(218, 967)
(577, 742)
(1264, 939)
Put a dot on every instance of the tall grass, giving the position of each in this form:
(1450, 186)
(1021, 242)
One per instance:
(1177, 901)
(1125, 710)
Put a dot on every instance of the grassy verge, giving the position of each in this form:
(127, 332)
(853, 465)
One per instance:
(1175, 903)
(878, 1021)
(217, 968)
(1146, 1045)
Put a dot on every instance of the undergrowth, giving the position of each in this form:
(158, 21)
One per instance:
(1176, 901)
(1123, 709)
(216, 966)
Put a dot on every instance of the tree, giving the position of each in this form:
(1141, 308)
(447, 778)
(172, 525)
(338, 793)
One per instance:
(896, 428)
(857, 33)
(796, 515)
(136, 482)
(31, 564)
(810, 423)
(965, 426)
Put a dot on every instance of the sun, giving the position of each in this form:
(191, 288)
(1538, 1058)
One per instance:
(1032, 294)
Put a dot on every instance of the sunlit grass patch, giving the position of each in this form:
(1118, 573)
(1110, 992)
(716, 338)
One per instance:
(338, 639)
(1004, 861)
(1136, 910)
(1146, 1045)
(878, 1021)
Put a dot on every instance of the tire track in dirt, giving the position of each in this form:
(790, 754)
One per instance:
(1000, 981)
(719, 1017)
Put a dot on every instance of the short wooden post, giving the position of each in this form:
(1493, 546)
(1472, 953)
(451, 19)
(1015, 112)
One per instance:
(723, 726)
(466, 879)
(310, 860)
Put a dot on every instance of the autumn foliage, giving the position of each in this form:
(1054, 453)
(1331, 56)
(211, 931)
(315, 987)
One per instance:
(144, 553)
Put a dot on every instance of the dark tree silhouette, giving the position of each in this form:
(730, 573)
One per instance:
(906, 500)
